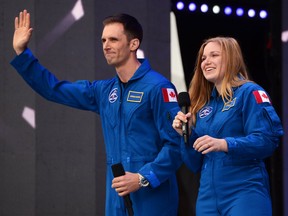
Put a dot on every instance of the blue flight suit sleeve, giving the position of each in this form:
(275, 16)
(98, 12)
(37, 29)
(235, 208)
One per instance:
(79, 94)
(192, 158)
(168, 160)
(262, 128)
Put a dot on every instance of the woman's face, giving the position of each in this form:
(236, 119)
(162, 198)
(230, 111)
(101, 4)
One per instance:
(212, 64)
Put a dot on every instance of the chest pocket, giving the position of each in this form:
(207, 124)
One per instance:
(136, 110)
(111, 113)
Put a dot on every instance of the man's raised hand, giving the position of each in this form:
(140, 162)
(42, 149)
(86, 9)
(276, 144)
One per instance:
(22, 33)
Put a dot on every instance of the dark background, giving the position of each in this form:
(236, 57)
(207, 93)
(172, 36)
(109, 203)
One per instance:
(58, 168)
(285, 105)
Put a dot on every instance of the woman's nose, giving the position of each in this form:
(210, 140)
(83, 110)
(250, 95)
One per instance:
(207, 60)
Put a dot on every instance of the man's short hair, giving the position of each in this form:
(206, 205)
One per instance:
(132, 27)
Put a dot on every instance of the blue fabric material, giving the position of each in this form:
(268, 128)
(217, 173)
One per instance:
(235, 183)
(137, 127)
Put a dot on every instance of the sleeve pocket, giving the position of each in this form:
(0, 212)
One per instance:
(274, 121)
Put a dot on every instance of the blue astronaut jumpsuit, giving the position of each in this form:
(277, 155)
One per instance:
(235, 183)
(136, 125)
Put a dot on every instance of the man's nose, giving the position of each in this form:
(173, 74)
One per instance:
(105, 45)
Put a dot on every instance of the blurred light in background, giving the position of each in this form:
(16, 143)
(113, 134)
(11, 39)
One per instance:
(218, 9)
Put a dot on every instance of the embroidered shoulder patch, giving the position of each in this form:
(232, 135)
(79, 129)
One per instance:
(169, 95)
(261, 96)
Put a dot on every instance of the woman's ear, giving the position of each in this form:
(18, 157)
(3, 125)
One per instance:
(134, 44)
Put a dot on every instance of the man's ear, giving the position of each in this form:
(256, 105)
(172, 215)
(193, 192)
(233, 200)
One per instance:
(134, 44)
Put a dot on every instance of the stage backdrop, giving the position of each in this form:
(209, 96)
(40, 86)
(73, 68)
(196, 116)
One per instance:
(52, 158)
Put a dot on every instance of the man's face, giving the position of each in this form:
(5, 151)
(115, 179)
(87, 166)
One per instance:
(116, 47)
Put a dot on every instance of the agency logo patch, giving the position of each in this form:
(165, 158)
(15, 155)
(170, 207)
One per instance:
(113, 95)
(205, 111)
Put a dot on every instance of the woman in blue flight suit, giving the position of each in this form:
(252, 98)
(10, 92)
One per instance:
(234, 128)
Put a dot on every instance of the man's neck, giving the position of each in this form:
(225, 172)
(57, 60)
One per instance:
(125, 72)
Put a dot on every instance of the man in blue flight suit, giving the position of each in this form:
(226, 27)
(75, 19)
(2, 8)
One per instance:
(135, 108)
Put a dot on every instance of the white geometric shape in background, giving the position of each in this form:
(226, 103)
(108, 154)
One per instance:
(140, 54)
(284, 36)
(177, 71)
(28, 115)
(78, 10)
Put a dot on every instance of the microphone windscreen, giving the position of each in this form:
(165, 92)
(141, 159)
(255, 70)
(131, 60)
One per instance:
(184, 99)
(118, 170)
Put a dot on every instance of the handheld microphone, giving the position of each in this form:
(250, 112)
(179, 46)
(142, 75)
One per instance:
(118, 170)
(184, 103)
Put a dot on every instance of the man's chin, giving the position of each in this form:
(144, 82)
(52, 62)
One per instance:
(110, 63)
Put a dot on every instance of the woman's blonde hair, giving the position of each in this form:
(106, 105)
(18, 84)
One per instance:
(235, 74)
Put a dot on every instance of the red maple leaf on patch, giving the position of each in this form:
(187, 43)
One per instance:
(264, 96)
(172, 94)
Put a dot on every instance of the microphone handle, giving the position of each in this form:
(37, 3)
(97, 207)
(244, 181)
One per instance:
(185, 126)
(118, 170)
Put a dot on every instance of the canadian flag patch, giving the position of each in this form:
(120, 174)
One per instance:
(261, 96)
(169, 95)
